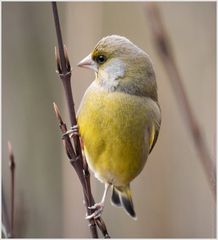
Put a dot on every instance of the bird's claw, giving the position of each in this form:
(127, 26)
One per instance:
(74, 130)
(93, 207)
(98, 207)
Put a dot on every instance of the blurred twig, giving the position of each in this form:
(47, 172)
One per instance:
(8, 225)
(163, 46)
(74, 153)
(12, 172)
(5, 218)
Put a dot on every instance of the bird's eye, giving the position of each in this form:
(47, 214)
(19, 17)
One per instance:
(100, 59)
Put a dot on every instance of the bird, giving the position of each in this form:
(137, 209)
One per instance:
(119, 117)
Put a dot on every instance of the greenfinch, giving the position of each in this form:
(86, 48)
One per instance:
(119, 117)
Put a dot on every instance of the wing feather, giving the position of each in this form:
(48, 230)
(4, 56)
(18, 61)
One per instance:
(153, 137)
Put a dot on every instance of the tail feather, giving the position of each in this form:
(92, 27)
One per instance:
(125, 199)
(128, 206)
(115, 199)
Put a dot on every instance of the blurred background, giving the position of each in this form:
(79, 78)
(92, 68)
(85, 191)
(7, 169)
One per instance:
(171, 196)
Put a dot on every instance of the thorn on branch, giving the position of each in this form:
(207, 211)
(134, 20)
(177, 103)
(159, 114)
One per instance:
(67, 59)
(58, 62)
(57, 113)
(66, 140)
(60, 69)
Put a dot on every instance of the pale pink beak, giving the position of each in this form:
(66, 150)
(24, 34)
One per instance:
(88, 62)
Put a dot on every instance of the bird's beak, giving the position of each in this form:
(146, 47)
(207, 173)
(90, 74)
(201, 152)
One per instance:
(88, 62)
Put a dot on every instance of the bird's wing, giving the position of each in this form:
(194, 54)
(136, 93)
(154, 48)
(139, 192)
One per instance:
(155, 124)
(153, 137)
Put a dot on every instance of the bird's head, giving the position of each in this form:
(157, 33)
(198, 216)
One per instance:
(121, 66)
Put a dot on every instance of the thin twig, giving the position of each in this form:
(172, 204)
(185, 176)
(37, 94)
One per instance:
(166, 53)
(76, 157)
(5, 218)
(12, 172)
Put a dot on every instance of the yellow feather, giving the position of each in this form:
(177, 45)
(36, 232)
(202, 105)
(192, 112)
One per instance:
(114, 134)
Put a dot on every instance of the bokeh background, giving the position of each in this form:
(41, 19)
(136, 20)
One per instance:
(171, 196)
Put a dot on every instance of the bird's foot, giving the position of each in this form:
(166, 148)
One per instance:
(98, 207)
(72, 132)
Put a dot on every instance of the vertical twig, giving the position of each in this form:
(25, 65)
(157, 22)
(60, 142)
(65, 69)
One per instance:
(76, 158)
(5, 218)
(164, 48)
(64, 68)
(12, 173)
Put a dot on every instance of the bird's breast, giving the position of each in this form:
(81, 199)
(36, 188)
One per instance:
(113, 127)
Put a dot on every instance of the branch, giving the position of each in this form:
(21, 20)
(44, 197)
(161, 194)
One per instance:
(163, 46)
(74, 151)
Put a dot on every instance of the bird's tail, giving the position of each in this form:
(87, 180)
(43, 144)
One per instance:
(122, 197)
